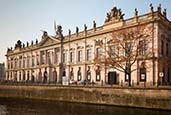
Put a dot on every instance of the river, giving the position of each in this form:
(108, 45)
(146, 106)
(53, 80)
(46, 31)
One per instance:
(40, 107)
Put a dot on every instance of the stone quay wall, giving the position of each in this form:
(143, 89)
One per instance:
(156, 98)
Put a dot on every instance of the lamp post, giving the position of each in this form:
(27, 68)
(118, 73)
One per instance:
(59, 33)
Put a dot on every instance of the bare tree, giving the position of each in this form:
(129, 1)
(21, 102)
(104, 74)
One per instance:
(124, 48)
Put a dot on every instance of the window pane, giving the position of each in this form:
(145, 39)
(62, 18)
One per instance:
(98, 52)
(79, 55)
(71, 56)
(64, 57)
(112, 51)
(162, 47)
(89, 54)
(127, 49)
(142, 47)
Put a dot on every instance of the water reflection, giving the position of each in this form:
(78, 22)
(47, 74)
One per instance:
(35, 107)
(3, 110)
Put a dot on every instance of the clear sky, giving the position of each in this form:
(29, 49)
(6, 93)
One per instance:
(23, 19)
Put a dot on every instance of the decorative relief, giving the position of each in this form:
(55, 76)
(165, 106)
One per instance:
(71, 49)
(98, 42)
(89, 46)
(80, 47)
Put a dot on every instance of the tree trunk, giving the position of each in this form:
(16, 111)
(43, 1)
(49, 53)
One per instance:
(129, 76)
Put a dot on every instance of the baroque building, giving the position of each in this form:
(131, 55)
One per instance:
(73, 55)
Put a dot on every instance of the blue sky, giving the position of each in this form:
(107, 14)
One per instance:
(23, 19)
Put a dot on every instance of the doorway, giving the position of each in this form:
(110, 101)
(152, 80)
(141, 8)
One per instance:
(112, 78)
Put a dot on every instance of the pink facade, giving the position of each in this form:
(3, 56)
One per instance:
(42, 59)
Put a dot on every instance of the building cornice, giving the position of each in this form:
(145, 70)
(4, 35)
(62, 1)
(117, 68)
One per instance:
(124, 24)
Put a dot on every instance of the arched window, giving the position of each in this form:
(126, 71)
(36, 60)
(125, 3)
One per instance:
(54, 75)
(98, 75)
(143, 72)
(40, 75)
(24, 77)
(88, 74)
(45, 76)
(28, 75)
(79, 77)
(72, 74)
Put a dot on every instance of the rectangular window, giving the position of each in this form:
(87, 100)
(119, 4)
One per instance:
(162, 47)
(128, 49)
(112, 51)
(12, 65)
(64, 57)
(98, 52)
(167, 49)
(89, 55)
(37, 59)
(127, 74)
(23, 63)
(43, 57)
(8, 65)
(33, 62)
(20, 63)
(57, 58)
(143, 74)
(142, 47)
(49, 58)
(80, 55)
(164, 75)
(71, 57)
(28, 62)
(15, 63)
(98, 75)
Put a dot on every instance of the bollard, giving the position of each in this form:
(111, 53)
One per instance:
(84, 83)
(101, 82)
(132, 83)
(121, 83)
(144, 84)
(157, 83)
(111, 84)
(76, 83)
(92, 82)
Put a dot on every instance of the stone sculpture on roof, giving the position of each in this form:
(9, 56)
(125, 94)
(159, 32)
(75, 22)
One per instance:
(114, 14)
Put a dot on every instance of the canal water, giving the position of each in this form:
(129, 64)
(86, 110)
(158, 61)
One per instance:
(37, 107)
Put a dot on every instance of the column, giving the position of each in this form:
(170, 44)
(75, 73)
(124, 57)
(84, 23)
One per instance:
(46, 57)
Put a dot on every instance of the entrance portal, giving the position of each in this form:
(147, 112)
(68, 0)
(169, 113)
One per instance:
(112, 78)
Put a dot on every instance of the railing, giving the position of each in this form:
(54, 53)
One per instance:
(87, 84)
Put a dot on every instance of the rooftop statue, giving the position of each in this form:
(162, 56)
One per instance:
(108, 18)
(32, 43)
(27, 44)
(159, 8)
(151, 7)
(114, 14)
(69, 32)
(36, 41)
(85, 27)
(23, 45)
(94, 25)
(18, 44)
(59, 32)
(45, 34)
(77, 30)
(136, 12)
(8, 49)
(164, 13)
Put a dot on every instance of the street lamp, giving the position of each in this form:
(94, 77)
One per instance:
(59, 33)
